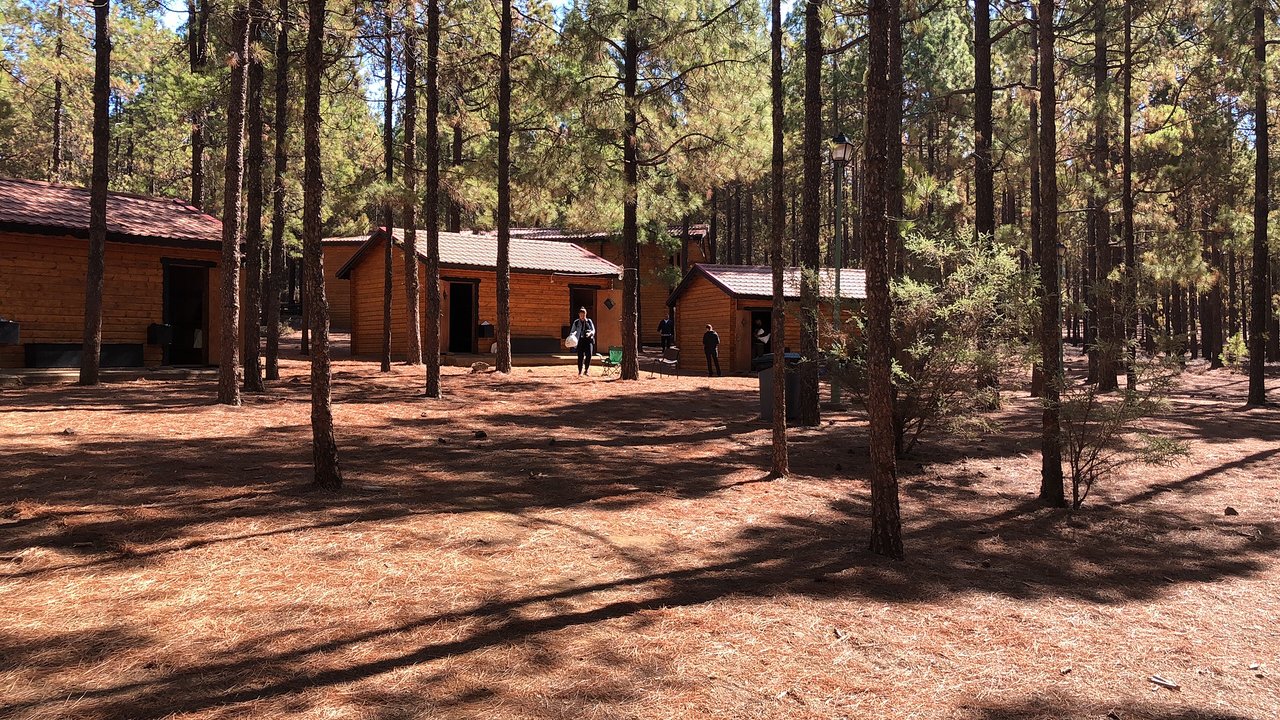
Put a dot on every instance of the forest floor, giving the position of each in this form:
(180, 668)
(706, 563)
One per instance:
(613, 550)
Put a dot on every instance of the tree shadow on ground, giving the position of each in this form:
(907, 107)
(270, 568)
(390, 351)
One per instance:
(1023, 552)
(151, 497)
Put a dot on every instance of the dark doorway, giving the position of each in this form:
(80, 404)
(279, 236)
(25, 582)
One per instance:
(581, 297)
(462, 317)
(761, 334)
(185, 310)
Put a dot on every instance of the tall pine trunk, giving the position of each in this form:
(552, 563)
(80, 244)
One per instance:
(324, 447)
(233, 182)
(253, 214)
(1102, 291)
(455, 206)
(431, 203)
(1033, 161)
(198, 55)
(984, 175)
(895, 198)
(95, 272)
(1260, 301)
(1130, 303)
(388, 175)
(630, 369)
(412, 291)
(55, 169)
(279, 264)
(1052, 490)
(883, 20)
(779, 465)
(502, 363)
(810, 215)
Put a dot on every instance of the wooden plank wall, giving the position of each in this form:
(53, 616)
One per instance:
(539, 304)
(339, 291)
(653, 292)
(702, 303)
(42, 284)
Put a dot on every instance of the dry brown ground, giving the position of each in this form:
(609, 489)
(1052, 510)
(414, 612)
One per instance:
(611, 550)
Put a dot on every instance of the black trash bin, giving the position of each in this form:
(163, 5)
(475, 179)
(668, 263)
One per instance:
(765, 365)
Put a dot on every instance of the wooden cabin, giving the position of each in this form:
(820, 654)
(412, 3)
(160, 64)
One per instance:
(159, 293)
(738, 299)
(661, 266)
(337, 251)
(549, 282)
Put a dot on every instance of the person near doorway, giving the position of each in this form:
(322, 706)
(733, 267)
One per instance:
(759, 340)
(585, 329)
(711, 345)
(667, 329)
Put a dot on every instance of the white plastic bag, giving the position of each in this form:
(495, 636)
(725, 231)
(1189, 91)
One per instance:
(571, 342)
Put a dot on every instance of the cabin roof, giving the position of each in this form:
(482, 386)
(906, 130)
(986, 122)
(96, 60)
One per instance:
(477, 251)
(49, 209)
(756, 281)
(349, 240)
(696, 232)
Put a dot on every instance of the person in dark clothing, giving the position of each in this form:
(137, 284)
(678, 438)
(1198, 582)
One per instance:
(586, 332)
(711, 345)
(667, 329)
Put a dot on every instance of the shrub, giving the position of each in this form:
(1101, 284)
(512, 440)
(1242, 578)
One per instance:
(959, 290)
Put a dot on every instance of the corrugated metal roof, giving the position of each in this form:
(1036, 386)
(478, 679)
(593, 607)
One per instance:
(562, 235)
(476, 250)
(45, 206)
(757, 281)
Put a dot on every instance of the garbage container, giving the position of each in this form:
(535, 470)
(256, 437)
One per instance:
(765, 363)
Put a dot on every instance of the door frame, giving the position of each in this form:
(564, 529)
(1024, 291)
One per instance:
(166, 263)
(475, 309)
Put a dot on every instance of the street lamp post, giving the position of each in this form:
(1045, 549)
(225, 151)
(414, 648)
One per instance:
(841, 152)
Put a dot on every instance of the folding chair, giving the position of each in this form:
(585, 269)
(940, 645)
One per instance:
(613, 365)
(669, 364)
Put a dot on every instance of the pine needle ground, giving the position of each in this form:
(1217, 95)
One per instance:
(611, 550)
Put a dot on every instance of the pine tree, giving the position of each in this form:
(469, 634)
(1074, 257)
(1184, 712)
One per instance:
(278, 265)
(232, 186)
(253, 213)
(431, 203)
(413, 322)
(198, 13)
(1052, 489)
(90, 353)
(324, 446)
(388, 175)
(503, 268)
(1259, 288)
(777, 212)
(883, 21)
(807, 402)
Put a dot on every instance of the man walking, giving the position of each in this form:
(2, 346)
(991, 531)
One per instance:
(711, 345)
(586, 332)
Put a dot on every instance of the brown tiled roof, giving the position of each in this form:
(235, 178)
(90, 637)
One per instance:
(40, 207)
(756, 281)
(350, 240)
(562, 235)
(480, 251)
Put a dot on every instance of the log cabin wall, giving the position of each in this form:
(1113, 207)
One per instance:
(654, 291)
(42, 287)
(336, 254)
(700, 304)
(539, 304)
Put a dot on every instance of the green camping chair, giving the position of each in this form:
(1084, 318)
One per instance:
(613, 366)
